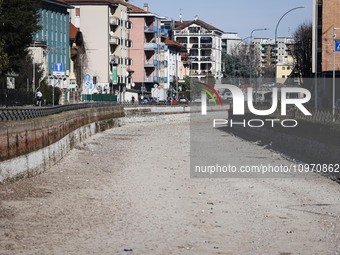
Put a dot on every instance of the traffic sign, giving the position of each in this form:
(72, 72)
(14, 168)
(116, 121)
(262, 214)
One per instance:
(89, 84)
(87, 77)
(58, 69)
(337, 46)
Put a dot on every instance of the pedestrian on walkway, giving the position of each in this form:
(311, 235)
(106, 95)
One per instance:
(39, 97)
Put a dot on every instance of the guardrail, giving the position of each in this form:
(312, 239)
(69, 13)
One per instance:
(23, 113)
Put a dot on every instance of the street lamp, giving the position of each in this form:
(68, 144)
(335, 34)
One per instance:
(334, 51)
(33, 62)
(276, 45)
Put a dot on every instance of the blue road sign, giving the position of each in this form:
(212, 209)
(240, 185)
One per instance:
(87, 77)
(337, 46)
(89, 84)
(58, 67)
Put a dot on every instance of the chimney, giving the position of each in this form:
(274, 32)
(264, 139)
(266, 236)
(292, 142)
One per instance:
(146, 7)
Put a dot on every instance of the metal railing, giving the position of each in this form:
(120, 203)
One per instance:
(24, 113)
(319, 116)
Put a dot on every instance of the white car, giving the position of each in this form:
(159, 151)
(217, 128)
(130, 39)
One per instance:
(227, 95)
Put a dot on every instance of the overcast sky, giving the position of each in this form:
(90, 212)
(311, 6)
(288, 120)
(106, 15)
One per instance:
(241, 16)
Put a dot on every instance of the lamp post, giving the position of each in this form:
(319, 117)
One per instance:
(276, 45)
(334, 63)
(33, 62)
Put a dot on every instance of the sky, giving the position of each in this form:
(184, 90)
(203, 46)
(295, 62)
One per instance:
(240, 16)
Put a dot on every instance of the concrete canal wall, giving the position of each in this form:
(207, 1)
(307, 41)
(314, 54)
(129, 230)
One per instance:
(30, 147)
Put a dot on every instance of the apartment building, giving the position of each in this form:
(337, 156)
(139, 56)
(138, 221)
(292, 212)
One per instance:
(105, 29)
(269, 57)
(149, 65)
(77, 64)
(204, 45)
(326, 25)
(51, 44)
(174, 73)
(230, 43)
(326, 22)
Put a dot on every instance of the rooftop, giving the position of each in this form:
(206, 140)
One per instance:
(179, 25)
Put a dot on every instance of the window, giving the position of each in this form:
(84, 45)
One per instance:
(128, 24)
(78, 12)
(193, 39)
(283, 68)
(194, 29)
(182, 40)
(206, 40)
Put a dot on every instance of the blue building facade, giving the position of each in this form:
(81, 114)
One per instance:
(55, 33)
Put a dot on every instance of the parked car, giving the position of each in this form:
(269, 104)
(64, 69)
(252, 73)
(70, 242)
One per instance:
(149, 100)
(183, 100)
(172, 100)
(145, 100)
(227, 96)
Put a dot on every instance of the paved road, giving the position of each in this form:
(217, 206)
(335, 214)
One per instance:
(128, 191)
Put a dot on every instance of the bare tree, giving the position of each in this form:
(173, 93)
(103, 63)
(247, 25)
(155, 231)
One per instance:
(237, 65)
(3, 54)
(302, 50)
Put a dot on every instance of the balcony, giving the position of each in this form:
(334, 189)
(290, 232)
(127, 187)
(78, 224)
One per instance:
(150, 29)
(114, 60)
(163, 80)
(200, 59)
(164, 31)
(128, 43)
(150, 46)
(151, 63)
(206, 59)
(186, 32)
(114, 40)
(206, 45)
(149, 79)
(200, 72)
(164, 47)
(114, 21)
(128, 24)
